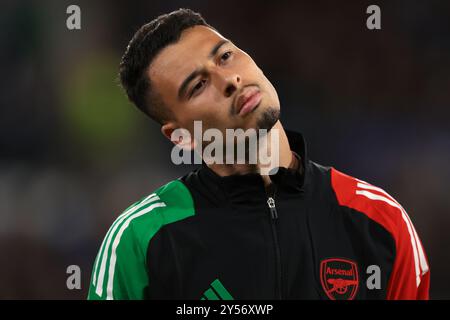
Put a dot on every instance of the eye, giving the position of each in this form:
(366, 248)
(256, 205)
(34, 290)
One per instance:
(197, 87)
(225, 56)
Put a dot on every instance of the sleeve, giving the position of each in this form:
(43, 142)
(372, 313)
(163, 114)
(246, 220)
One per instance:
(410, 277)
(120, 271)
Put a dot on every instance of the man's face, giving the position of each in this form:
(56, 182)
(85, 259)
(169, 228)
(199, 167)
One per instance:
(206, 77)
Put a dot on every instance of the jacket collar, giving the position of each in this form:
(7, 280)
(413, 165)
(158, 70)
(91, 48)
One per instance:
(244, 190)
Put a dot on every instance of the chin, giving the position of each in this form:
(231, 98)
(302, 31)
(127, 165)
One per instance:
(267, 118)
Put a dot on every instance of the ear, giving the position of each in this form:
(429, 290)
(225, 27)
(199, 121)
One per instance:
(179, 136)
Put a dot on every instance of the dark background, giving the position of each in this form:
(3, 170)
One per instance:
(74, 153)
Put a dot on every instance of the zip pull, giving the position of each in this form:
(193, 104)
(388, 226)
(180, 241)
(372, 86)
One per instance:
(273, 209)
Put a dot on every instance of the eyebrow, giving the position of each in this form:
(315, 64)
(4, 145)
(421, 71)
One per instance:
(199, 71)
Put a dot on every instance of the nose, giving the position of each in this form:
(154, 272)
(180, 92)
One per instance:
(231, 81)
(232, 85)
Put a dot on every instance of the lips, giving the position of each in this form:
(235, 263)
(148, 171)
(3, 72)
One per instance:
(248, 100)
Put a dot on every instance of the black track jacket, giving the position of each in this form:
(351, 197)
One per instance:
(319, 234)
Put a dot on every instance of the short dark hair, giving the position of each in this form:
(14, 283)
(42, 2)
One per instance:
(146, 43)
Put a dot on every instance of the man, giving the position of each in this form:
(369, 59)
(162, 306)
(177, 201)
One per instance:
(226, 231)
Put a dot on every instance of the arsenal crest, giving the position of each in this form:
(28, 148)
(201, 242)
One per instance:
(339, 278)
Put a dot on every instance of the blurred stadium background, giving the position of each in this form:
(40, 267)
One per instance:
(74, 153)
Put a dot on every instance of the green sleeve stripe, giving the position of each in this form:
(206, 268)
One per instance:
(113, 259)
(137, 205)
(113, 233)
(120, 268)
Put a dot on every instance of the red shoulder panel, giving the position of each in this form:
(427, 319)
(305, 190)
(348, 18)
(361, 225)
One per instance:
(410, 275)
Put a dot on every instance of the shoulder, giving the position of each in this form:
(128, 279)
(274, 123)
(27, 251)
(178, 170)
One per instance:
(358, 195)
(370, 200)
(382, 208)
(118, 269)
(170, 203)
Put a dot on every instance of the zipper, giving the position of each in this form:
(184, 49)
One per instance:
(273, 219)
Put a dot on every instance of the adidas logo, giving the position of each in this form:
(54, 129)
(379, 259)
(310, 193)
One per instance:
(216, 291)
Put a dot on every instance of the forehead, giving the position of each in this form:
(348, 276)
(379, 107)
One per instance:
(178, 60)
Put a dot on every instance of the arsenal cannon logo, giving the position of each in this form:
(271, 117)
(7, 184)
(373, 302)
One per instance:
(339, 278)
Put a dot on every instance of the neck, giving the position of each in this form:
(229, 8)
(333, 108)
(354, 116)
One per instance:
(283, 157)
